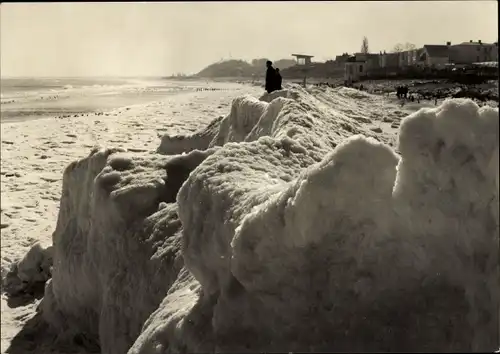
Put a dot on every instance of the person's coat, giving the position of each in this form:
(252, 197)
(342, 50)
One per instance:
(279, 80)
(270, 79)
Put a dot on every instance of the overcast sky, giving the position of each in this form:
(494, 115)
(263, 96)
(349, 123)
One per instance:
(80, 39)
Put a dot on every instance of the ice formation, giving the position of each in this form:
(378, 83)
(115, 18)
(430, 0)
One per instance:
(286, 226)
(30, 273)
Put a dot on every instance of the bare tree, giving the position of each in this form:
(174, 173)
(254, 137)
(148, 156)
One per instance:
(409, 46)
(364, 46)
(398, 48)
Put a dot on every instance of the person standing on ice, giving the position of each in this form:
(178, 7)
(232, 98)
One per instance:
(270, 77)
(279, 80)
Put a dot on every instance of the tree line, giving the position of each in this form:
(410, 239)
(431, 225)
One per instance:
(398, 48)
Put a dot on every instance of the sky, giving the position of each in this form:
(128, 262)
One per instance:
(162, 38)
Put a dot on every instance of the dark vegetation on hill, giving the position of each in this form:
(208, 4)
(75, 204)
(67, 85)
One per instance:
(257, 69)
(242, 68)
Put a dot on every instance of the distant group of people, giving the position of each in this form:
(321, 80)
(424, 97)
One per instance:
(273, 78)
(327, 84)
(402, 91)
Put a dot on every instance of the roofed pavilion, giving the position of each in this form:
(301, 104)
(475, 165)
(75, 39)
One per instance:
(303, 59)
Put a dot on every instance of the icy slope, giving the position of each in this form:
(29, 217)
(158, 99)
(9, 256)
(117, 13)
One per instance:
(330, 258)
(113, 260)
(292, 232)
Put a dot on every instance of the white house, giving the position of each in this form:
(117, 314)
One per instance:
(473, 52)
(354, 70)
(434, 55)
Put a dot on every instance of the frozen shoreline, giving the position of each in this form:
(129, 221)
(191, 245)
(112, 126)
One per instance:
(68, 101)
(35, 153)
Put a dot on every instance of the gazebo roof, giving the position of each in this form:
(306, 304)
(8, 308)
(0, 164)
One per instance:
(302, 56)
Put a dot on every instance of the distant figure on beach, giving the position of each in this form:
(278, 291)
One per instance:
(402, 92)
(270, 77)
(279, 80)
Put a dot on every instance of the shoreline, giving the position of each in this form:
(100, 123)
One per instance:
(440, 88)
(84, 106)
(37, 151)
(35, 154)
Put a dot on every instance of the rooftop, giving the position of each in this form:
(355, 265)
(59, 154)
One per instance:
(302, 56)
(353, 59)
(474, 43)
(437, 50)
(368, 55)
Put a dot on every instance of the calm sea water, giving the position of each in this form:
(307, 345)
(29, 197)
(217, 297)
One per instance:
(32, 98)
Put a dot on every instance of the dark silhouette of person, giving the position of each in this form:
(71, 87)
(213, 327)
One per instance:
(270, 77)
(402, 92)
(279, 80)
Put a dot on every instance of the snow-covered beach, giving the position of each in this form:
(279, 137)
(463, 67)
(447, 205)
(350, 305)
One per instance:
(290, 156)
(29, 98)
(35, 153)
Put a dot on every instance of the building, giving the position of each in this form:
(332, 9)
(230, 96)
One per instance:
(303, 59)
(342, 58)
(432, 55)
(388, 60)
(414, 56)
(409, 57)
(371, 60)
(355, 68)
(473, 52)
(403, 59)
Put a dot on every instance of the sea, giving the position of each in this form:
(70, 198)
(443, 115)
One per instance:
(33, 98)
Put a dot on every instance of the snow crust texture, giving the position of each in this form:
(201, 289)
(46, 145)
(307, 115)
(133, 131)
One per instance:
(286, 226)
